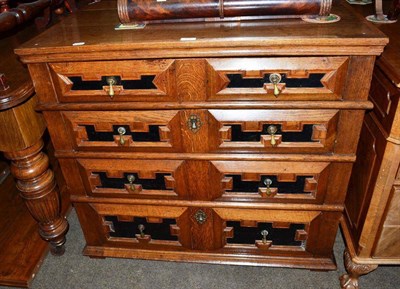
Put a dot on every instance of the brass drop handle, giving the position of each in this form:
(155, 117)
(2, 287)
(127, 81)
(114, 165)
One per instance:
(131, 179)
(272, 129)
(121, 131)
(264, 234)
(141, 228)
(111, 81)
(275, 78)
(268, 183)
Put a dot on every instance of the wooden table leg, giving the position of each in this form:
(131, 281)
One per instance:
(36, 183)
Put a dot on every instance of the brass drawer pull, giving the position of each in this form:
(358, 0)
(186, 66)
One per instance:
(275, 78)
(272, 129)
(121, 131)
(268, 183)
(264, 234)
(111, 81)
(141, 228)
(131, 179)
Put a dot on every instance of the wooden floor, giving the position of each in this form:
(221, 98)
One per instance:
(21, 248)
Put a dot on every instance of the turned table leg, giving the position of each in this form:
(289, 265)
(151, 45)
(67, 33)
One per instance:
(350, 280)
(36, 183)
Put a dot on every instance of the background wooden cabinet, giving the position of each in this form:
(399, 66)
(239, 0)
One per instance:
(371, 222)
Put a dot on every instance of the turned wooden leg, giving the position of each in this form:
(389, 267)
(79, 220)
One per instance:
(36, 183)
(350, 280)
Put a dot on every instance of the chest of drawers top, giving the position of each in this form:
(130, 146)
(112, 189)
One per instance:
(91, 35)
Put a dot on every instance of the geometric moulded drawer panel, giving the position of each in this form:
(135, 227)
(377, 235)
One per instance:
(133, 178)
(272, 181)
(125, 130)
(114, 81)
(275, 130)
(294, 78)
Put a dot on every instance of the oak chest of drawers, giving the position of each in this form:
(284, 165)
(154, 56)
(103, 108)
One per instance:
(222, 142)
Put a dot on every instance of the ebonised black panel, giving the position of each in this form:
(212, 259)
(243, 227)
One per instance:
(302, 136)
(157, 231)
(283, 187)
(147, 184)
(145, 82)
(237, 81)
(153, 135)
(278, 236)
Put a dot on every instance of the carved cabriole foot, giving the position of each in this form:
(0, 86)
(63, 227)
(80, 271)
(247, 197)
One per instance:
(350, 280)
(35, 181)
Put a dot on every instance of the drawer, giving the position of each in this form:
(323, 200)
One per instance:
(201, 180)
(156, 131)
(230, 235)
(385, 96)
(133, 80)
(280, 78)
(283, 131)
(135, 226)
(278, 131)
(271, 181)
(133, 178)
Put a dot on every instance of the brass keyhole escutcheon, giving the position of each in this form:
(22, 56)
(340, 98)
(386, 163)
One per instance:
(275, 78)
(131, 179)
(121, 131)
(272, 129)
(268, 183)
(200, 217)
(141, 228)
(194, 123)
(111, 81)
(264, 234)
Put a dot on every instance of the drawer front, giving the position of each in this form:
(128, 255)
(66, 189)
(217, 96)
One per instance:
(133, 80)
(385, 96)
(133, 178)
(304, 233)
(271, 181)
(156, 131)
(280, 131)
(135, 226)
(229, 235)
(305, 78)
